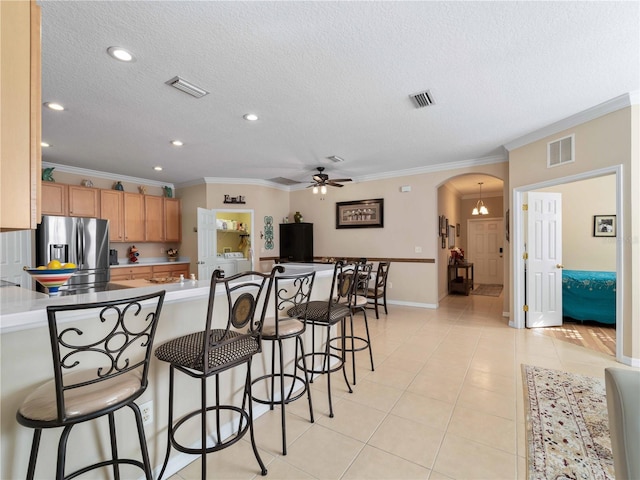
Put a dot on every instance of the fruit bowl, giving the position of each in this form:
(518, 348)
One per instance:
(52, 278)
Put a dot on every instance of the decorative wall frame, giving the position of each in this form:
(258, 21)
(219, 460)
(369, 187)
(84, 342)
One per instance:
(604, 226)
(457, 229)
(360, 214)
(452, 236)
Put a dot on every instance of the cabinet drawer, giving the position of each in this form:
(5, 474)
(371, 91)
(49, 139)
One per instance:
(171, 270)
(131, 273)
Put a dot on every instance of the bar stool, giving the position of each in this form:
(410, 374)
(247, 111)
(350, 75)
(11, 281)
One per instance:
(212, 351)
(357, 301)
(290, 291)
(324, 314)
(100, 365)
(378, 293)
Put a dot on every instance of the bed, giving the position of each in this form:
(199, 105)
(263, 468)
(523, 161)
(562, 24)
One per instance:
(588, 295)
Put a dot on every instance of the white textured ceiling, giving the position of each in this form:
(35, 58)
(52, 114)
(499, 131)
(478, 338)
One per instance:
(326, 78)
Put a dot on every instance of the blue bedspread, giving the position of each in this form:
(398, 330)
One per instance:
(589, 295)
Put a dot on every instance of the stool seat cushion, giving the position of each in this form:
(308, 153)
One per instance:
(317, 311)
(286, 328)
(41, 404)
(186, 351)
(360, 301)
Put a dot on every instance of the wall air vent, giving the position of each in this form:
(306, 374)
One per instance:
(283, 181)
(186, 87)
(561, 151)
(423, 99)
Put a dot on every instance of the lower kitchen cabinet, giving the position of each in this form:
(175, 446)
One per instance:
(131, 273)
(174, 271)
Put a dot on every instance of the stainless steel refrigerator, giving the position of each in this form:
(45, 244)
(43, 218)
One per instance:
(83, 241)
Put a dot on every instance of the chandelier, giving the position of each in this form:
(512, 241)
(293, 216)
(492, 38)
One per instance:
(480, 209)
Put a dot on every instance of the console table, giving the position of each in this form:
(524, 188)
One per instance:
(457, 282)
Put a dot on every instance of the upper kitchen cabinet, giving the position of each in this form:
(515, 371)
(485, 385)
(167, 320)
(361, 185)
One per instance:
(134, 224)
(20, 115)
(112, 209)
(154, 219)
(54, 199)
(172, 220)
(84, 202)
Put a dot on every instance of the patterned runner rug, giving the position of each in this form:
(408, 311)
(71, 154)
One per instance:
(567, 426)
(487, 290)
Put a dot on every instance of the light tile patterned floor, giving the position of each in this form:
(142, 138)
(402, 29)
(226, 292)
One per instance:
(445, 402)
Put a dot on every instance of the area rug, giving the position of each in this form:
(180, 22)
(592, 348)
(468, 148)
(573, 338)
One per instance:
(567, 426)
(487, 290)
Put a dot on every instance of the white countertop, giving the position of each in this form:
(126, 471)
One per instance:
(150, 262)
(22, 309)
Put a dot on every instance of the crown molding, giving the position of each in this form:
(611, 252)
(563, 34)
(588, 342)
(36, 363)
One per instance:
(615, 104)
(110, 176)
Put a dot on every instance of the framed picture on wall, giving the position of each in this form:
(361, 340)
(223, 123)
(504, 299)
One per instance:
(457, 229)
(604, 225)
(452, 236)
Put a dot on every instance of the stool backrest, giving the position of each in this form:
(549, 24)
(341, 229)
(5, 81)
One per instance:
(345, 281)
(292, 292)
(382, 274)
(96, 342)
(246, 296)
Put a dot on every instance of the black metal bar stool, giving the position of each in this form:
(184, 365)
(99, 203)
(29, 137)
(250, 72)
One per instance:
(378, 292)
(212, 351)
(100, 365)
(290, 291)
(357, 301)
(324, 314)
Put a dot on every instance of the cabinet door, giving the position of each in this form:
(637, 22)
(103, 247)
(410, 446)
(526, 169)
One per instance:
(172, 220)
(171, 270)
(54, 199)
(83, 202)
(20, 115)
(154, 219)
(120, 274)
(112, 209)
(296, 242)
(141, 273)
(133, 217)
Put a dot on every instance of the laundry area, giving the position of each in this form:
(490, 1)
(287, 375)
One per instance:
(233, 242)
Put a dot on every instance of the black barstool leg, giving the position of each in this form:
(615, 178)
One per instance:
(344, 353)
(169, 425)
(114, 446)
(273, 372)
(247, 395)
(313, 351)
(282, 397)
(385, 302)
(203, 422)
(143, 442)
(306, 377)
(327, 367)
(353, 349)
(35, 445)
(375, 301)
(62, 452)
(366, 326)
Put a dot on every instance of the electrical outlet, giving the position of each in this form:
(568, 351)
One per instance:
(418, 249)
(161, 251)
(390, 284)
(147, 412)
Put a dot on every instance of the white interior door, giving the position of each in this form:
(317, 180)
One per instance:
(485, 250)
(543, 272)
(206, 243)
(15, 253)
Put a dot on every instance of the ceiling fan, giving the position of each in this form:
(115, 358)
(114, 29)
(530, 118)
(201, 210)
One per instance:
(322, 180)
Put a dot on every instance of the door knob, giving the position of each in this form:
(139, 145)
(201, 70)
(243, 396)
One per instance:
(559, 265)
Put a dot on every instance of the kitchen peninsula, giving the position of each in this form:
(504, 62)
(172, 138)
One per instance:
(26, 363)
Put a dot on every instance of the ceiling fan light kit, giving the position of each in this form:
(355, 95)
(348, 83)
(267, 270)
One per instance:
(322, 180)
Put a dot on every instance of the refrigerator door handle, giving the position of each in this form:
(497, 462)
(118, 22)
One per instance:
(80, 243)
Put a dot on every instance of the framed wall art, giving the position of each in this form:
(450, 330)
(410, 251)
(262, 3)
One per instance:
(360, 214)
(604, 225)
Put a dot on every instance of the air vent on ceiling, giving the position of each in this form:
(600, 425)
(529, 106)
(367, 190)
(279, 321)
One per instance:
(423, 99)
(186, 87)
(283, 181)
(335, 159)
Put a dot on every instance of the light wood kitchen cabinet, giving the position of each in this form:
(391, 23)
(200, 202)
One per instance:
(131, 273)
(84, 202)
(20, 115)
(133, 217)
(162, 271)
(154, 219)
(172, 220)
(54, 199)
(112, 209)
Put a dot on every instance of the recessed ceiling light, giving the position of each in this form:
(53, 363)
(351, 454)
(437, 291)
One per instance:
(54, 106)
(158, 168)
(121, 54)
(176, 143)
(44, 144)
(252, 117)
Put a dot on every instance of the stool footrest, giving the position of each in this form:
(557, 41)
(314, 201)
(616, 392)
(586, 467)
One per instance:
(349, 349)
(288, 397)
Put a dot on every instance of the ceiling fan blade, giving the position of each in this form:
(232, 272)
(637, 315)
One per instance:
(334, 184)
(317, 178)
(341, 180)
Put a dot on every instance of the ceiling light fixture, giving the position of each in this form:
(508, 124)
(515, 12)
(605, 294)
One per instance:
(121, 54)
(44, 144)
(54, 106)
(323, 189)
(176, 143)
(315, 190)
(480, 209)
(251, 117)
(158, 168)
